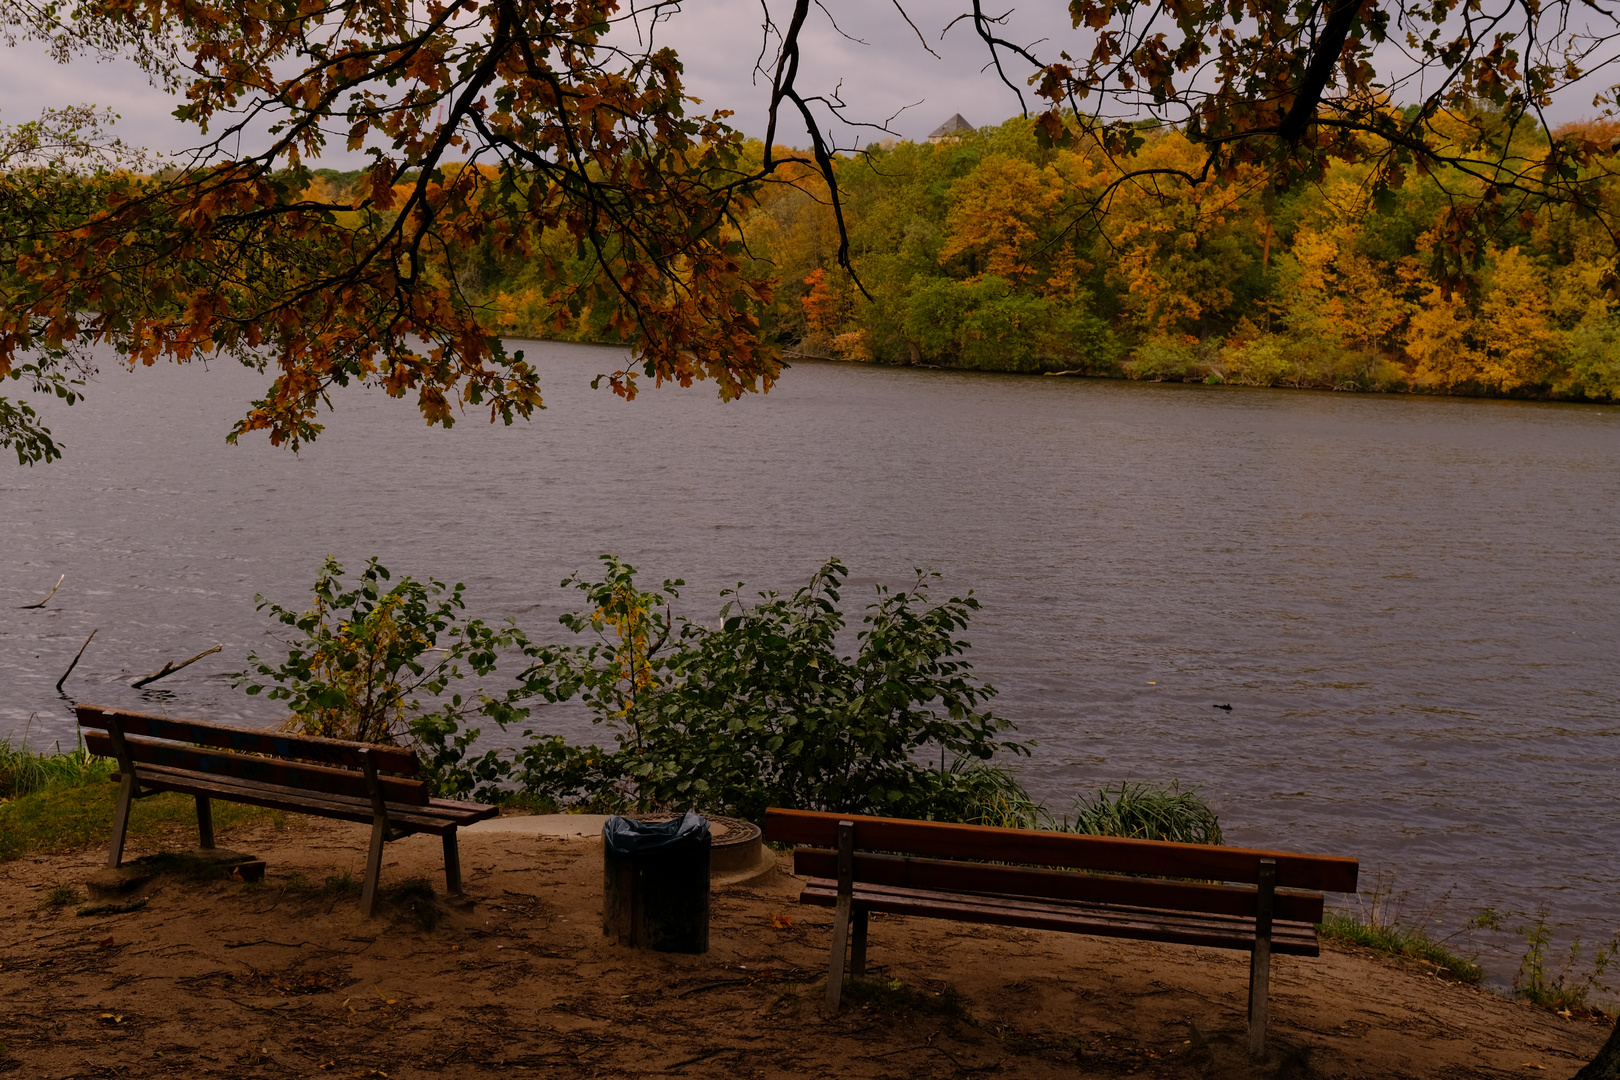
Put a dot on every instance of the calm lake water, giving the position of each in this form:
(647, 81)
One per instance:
(1411, 605)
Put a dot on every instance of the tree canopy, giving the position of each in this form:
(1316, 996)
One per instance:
(533, 130)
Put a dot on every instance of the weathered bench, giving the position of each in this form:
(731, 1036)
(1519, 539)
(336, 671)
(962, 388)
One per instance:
(1262, 902)
(331, 778)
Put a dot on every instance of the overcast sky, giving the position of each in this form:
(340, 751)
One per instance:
(719, 41)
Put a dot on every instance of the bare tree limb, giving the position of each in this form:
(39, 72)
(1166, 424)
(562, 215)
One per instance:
(42, 603)
(171, 668)
(75, 663)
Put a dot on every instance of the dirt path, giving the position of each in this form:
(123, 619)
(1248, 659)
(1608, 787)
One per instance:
(281, 979)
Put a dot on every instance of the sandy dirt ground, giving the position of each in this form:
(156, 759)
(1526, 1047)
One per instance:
(279, 979)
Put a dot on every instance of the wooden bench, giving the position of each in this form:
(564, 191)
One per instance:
(300, 773)
(1262, 902)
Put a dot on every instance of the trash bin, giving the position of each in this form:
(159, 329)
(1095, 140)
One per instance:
(655, 883)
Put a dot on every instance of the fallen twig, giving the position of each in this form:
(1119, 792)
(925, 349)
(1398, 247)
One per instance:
(702, 1056)
(47, 599)
(76, 656)
(170, 669)
(265, 941)
(281, 1008)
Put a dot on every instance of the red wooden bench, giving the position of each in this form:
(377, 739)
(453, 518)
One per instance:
(1261, 902)
(331, 778)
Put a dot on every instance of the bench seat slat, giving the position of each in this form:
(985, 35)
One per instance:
(437, 816)
(393, 759)
(949, 875)
(1160, 858)
(287, 774)
(1296, 939)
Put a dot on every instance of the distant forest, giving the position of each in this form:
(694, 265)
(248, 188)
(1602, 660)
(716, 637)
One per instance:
(976, 253)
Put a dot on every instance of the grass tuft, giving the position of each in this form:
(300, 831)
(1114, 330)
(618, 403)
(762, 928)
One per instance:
(61, 896)
(1141, 812)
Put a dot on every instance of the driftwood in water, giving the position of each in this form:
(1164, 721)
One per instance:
(42, 603)
(76, 656)
(170, 669)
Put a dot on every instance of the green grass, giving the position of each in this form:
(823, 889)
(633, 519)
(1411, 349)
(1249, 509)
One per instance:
(23, 772)
(1140, 812)
(1398, 940)
(60, 896)
(64, 802)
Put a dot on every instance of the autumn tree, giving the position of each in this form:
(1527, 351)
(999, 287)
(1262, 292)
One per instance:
(503, 126)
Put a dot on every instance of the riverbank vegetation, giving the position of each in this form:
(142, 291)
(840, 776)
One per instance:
(63, 801)
(998, 251)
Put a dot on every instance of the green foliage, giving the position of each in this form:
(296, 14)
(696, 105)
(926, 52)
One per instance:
(69, 818)
(1141, 812)
(763, 709)
(23, 772)
(1380, 923)
(1398, 940)
(1560, 985)
(375, 663)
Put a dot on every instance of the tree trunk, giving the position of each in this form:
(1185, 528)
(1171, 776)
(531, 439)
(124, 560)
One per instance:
(1606, 1066)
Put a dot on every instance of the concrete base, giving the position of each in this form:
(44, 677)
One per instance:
(589, 827)
(569, 826)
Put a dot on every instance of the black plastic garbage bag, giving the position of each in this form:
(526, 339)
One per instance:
(626, 837)
(655, 883)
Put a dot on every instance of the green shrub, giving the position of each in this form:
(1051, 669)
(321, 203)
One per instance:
(370, 654)
(763, 709)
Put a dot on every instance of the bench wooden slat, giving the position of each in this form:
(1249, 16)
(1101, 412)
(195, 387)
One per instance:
(899, 870)
(1105, 853)
(392, 759)
(437, 816)
(1296, 939)
(288, 774)
(1241, 924)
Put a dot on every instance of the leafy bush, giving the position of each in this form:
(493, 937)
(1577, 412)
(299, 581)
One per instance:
(365, 654)
(762, 709)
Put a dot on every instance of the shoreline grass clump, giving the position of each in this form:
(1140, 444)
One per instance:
(1413, 942)
(1140, 811)
(23, 771)
(1382, 925)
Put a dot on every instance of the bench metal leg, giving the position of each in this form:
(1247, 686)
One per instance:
(846, 902)
(452, 864)
(368, 890)
(120, 824)
(857, 949)
(1260, 959)
(205, 823)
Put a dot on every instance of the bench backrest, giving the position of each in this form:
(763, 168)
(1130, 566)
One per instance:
(935, 847)
(304, 762)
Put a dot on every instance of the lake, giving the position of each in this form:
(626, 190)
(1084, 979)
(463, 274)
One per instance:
(1411, 604)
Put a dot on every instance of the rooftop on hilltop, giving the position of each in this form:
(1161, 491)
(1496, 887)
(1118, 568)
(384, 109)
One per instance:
(953, 128)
